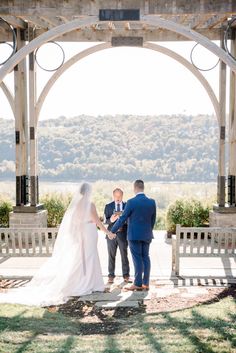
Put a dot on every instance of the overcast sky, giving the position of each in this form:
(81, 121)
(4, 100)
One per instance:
(122, 80)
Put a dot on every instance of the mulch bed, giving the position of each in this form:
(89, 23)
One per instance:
(176, 302)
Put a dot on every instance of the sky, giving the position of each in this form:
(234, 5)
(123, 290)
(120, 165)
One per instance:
(121, 81)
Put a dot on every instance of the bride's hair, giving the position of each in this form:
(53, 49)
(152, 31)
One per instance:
(85, 188)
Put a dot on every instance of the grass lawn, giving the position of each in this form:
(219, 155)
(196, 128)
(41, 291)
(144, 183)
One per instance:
(204, 328)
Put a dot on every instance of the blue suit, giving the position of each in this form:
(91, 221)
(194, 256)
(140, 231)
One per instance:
(140, 212)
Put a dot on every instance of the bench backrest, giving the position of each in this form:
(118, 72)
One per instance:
(27, 242)
(205, 241)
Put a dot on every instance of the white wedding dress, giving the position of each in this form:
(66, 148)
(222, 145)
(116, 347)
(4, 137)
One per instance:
(74, 268)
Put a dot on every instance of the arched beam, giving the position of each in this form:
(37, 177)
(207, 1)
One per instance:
(192, 69)
(92, 20)
(9, 96)
(146, 45)
(44, 38)
(73, 60)
(192, 35)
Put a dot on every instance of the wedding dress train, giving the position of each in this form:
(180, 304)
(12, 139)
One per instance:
(74, 268)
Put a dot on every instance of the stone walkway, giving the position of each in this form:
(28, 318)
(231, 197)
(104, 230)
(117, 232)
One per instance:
(116, 296)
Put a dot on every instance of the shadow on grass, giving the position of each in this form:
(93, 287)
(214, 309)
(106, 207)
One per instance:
(112, 346)
(67, 346)
(196, 332)
(27, 343)
(221, 327)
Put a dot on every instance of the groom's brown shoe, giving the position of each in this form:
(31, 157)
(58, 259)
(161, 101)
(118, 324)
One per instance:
(133, 288)
(145, 287)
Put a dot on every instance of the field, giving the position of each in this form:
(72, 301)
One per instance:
(163, 193)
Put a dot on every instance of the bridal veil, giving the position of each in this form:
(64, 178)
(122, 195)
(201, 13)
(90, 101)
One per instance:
(55, 281)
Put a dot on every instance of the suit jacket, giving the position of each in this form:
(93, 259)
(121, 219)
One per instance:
(108, 212)
(140, 212)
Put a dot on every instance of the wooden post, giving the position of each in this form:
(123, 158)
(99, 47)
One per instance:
(222, 103)
(232, 130)
(178, 226)
(21, 127)
(34, 197)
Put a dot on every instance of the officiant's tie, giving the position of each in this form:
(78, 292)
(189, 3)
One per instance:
(118, 207)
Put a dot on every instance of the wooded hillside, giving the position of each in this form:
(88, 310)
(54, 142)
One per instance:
(166, 148)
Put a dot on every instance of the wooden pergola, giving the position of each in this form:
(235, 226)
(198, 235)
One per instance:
(142, 23)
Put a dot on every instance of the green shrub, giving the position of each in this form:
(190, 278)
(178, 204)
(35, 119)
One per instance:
(160, 220)
(56, 206)
(187, 213)
(5, 209)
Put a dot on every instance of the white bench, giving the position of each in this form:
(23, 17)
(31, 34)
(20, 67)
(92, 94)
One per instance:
(202, 242)
(27, 242)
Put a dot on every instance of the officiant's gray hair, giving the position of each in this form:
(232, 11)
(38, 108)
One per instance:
(118, 189)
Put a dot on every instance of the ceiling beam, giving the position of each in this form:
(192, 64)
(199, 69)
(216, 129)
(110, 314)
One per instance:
(90, 7)
(38, 22)
(15, 21)
(213, 21)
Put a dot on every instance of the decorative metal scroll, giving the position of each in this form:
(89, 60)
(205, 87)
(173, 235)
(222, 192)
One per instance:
(56, 68)
(200, 69)
(226, 36)
(14, 40)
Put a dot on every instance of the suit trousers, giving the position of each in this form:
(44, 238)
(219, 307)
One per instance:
(112, 245)
(142, 265)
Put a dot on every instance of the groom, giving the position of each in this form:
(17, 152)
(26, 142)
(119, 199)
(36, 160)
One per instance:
(140, 212)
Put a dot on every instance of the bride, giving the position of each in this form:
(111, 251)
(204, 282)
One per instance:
(74, 268)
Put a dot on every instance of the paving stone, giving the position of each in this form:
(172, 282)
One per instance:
(118, 304)
(94, 297)
(197, 290)
(188, 295)
(165, 292)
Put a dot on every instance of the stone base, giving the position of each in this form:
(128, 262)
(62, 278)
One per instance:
(28, 220)
(222, 219)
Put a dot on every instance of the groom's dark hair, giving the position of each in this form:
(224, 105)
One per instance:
(139, 184)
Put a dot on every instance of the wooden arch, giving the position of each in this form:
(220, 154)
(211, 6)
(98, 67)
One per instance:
(93, 20)
(9, 96)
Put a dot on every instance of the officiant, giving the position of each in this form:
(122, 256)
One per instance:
(112, 213)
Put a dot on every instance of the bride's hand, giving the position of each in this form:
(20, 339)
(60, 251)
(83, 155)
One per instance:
(111, 235)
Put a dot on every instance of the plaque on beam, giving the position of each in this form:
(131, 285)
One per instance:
(119, 15)
(127, 41)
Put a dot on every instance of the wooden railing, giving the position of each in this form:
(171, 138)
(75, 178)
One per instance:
(27, 242)
(202, 242)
